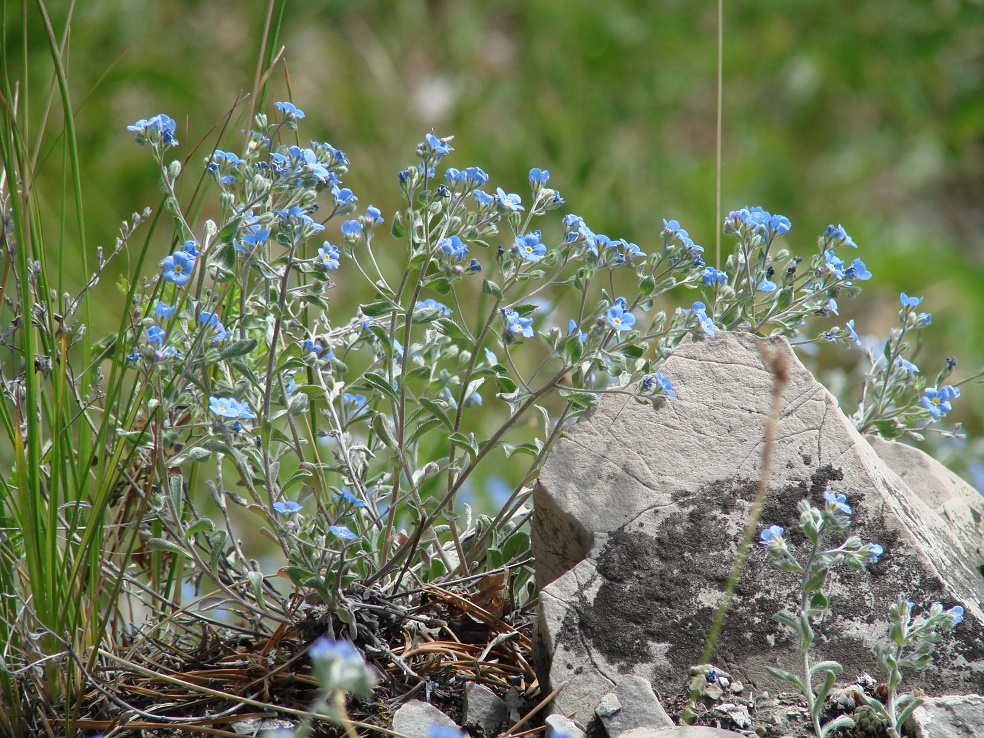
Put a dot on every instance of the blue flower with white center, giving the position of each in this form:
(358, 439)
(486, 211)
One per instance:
(699, 310)
(437, 146)
(874, 552)
(342, 531)
(178, 268)
(530, 248)
(163, 311)
(837, 233)
(159, 129)
(511, 201)
(228, 407)
(767, 286)
(835, 264)
(432, 304)
(490, 358)
(155, 335)
(937, 401)
(351, 230)
(289, 110)
(539, 176)
(714, 276)
(619, 318)
(374, 214)
(770, 533)
(909, 301)
(454, 247)
(516, 323)
(330, 256)
(837, 501)
(288, 507)
(853, 333)
(857, 270)
(351, 499)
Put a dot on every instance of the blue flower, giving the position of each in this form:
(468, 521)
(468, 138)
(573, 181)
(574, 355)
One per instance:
(530, 248)
(874, 551)
(835, 264)
(660, 380)
(714, 276)
(343, 196)
(299, 214)
(178, 268)
(837, 233)
(351, 229)
(287, 508)
(155, 335)
(474, 176)
(351, 499)
(171, 352)
(957, 613)
(773, 531)
(539, 176)
(159, 129)
(572, 329)
(190, 248)
(291, 385)
(937, 402)
(907, 365)
(437, 146)
(374, 214)
(511, 201)
(227, 407)
(853, 333)
(359, 401)
(342, 531)
(857, 270)
(330, 256)
(209, 319)
(251, 240)
(289, 110)
(443, 731)
(766, 286)
(432, 304)
(832, 305)
(838, 501)
(163, 311)
(699, 309)
(619, 318)
(515, 323)
(909, 301)
(454, 246)
(475, 265)
(484, 199)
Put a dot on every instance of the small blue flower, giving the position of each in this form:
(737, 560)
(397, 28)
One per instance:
(515, 323)
(957, 613)
(374, 214)
(530, 248)
(874, 551)
(163, 310)
(351, 499)
(509, 201)
(228, 407)
(438, 146)
(907, 365)
(857, 270)
(837, 233)
(454, 247)
(443, 731)
(432, 304)
(343, 196)
(178, 268)
(714, 276)
(837, 500)
(159, 129)
(773, 531)
(853, 333)
(287, 508)
(342, 531)
(484, 199)
(171, 352)
(937, 402)
(209, 319)
(474, 176)
(766, 286)
(251, 240)
(706, 324)
(155, 335)
(572, 329)
(355, 399)
(475, 265)
(835, 264)
(619, 318)
(660, 380)
(330, 256)
(832, 305)
(539, 176)
(351, 229)
(909, 301)
(289, 110)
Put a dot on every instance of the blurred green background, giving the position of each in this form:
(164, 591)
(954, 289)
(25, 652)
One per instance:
(865, 113)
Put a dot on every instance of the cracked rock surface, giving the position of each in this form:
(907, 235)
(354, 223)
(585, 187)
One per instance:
(638, 515)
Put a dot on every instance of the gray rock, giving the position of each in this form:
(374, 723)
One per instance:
(415, 718)
(558, 725)
(484, 710)
(949, 717)
(608, 706)
(261, 726)
(679, 731)
(638, 514)
(640, 708)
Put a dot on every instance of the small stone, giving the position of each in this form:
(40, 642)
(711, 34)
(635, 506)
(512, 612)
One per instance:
(484, 710)
(737, 714)
(608, 706)
(949, 717)
(558, 725)
(712, 691)
(639, 708)
(415, 718)
(724, 682)
(737, 687)
(256, 726)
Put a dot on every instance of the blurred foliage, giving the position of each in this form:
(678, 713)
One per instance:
(864, 113)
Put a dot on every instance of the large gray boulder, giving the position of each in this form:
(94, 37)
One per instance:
(638, 516)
